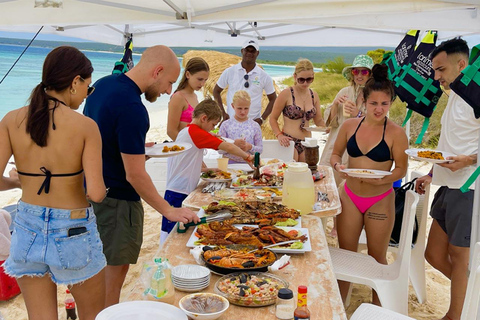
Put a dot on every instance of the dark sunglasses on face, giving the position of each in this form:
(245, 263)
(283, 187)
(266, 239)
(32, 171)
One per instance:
(364, 72)
(246, 84)
(302, 80)
(90, 88)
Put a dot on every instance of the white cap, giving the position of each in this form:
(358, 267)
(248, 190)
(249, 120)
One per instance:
(252, 43)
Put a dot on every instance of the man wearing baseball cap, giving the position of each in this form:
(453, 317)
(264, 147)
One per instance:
(248, 76)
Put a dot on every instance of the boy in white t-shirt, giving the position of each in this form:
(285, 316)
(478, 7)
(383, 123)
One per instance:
(183, 170)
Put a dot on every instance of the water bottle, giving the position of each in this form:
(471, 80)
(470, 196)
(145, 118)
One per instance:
(70, 306)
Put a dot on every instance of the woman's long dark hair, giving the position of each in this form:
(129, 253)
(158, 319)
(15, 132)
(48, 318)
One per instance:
(61, 66)
(379, 82)
(194, 65)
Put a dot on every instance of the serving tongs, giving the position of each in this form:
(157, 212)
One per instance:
(219, 216)
(274, 245)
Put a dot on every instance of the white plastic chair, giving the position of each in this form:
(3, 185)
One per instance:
(472, 296)
(273, 149)
(368, 311)
(417, 263)
(389, 281)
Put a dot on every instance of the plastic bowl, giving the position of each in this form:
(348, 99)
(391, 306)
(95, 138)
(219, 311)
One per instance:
(255, 295)
(203, 316)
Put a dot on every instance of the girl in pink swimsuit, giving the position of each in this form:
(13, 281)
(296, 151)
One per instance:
(372, 142)
(183, 101)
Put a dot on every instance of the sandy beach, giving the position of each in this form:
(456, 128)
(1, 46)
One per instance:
(437, 285)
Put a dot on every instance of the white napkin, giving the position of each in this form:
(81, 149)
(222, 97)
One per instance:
(280, 263)
(196, 253)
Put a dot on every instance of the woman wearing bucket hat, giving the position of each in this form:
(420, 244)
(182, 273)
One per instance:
(348, 103)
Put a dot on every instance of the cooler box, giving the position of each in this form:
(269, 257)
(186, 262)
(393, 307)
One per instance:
(8, 285)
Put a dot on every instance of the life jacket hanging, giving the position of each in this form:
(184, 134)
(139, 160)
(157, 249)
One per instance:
(415, 83)
(126, 63)
(467, 86)
(401, 55)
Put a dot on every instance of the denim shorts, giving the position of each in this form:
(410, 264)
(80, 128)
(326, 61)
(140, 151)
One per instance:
(41, 245)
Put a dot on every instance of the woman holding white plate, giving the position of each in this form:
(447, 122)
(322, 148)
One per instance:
(373, 143)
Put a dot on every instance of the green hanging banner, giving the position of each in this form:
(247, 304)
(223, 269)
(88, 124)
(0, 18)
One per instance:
(126, 63)
(467, 84)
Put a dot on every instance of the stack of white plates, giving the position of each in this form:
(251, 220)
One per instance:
(190, 277)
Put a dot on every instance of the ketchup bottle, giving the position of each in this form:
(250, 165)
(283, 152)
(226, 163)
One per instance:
(301, 312)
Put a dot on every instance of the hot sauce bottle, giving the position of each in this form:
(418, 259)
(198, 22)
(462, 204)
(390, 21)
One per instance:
(301, 312)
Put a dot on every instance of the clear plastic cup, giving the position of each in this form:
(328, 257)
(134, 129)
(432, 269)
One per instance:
(222, 163)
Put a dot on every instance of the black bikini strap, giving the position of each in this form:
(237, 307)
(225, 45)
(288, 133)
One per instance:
(359, 126)
(48, 176)
(53, 109)
(384, 128)
(313, 98)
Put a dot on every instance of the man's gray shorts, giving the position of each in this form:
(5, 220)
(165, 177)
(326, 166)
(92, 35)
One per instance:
(453, 211)
(120, 224)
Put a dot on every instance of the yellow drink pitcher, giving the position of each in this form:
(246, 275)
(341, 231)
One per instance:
(298, 188)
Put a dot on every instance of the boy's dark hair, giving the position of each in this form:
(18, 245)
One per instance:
(379, 82)
(209, 108)
(455, 45)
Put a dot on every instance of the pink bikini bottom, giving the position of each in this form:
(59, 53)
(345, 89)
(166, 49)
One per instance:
(364, 203)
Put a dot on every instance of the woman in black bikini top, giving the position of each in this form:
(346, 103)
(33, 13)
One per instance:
(298, 104)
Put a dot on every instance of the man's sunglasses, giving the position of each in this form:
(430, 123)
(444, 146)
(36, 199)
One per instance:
(364, 72)
(308, 80)
(90, 88)
(246, 84)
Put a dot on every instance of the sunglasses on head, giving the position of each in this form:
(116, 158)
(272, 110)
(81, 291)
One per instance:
(364, 72)
(90, 88)
(302, 80)
(246, 84)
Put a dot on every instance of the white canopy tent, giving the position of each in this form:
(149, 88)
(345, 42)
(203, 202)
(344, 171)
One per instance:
(214, 23)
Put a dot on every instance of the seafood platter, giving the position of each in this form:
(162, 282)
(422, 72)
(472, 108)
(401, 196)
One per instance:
(222, 233)
(271, 175)
(244, 194)
(254, 213)
(233, 258)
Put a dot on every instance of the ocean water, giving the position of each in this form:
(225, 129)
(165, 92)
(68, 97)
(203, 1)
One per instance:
(17, 86)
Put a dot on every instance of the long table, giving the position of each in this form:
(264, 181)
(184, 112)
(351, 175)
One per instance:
(313, 269)
(197, 199)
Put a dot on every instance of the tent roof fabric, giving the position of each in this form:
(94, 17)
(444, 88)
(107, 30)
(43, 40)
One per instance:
(213, 23)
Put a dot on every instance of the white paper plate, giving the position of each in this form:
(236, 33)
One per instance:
(215, 180)
(413, 153)
(240, 166)
(227, 140)
(156, 151)
(140, 310)
(190, 271)
(317, 129)
(307, 246)
(374, 175)
(191, 289)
